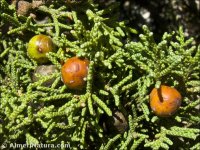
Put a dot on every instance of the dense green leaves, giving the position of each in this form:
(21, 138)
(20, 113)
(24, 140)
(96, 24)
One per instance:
(121, 74)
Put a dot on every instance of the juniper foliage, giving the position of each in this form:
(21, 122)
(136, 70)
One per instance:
(121, 74)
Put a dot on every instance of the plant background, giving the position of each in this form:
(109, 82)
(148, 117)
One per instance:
(161, 16)
(128, 59)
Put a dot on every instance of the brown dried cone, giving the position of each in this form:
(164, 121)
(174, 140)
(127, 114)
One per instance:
(116, 123)
(44, 70)
(37, 3)
(74, 1)
(23, 7)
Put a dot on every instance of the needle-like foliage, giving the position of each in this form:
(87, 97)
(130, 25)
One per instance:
(121, 74)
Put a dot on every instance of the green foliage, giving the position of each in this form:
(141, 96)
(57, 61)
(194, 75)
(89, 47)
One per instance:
(121, 75)
(162, 141)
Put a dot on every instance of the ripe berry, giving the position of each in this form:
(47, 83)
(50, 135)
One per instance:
(38, 46)
(165, 101)
(74, 72)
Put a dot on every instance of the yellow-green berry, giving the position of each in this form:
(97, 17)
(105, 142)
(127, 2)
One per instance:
(38, 46)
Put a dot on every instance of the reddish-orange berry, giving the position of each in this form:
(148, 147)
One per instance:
(74, 72)
(165, 101)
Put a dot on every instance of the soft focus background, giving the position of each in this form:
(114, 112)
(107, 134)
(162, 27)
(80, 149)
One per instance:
(161, 15)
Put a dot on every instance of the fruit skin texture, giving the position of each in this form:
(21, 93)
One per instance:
(74, 72)
(45, 70)
(38, 46)
(116, 123)
(165, 101)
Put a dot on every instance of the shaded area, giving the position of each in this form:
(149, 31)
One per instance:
(161, 16)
